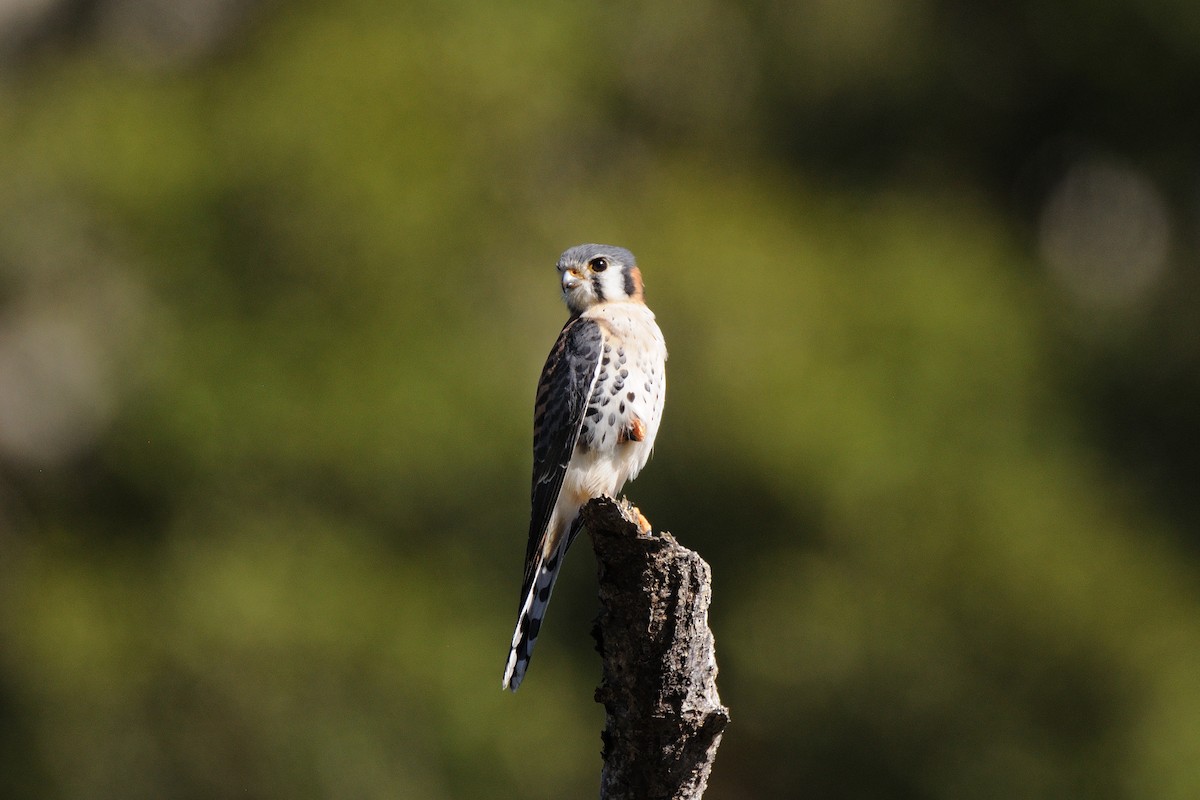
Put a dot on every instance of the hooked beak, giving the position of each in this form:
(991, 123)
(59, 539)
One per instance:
(571, 279)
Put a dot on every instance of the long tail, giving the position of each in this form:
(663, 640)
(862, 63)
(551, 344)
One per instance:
(535, 599)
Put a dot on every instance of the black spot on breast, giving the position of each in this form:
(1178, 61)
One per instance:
(624, 373)
(622, 407)
(612, 418)
(630, 396)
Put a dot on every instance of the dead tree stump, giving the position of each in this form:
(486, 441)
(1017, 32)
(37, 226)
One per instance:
(664, 718)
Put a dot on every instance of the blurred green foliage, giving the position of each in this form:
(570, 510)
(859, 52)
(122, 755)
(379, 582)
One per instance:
(270, 324)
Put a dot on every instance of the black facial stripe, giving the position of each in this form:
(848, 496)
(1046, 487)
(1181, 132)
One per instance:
(597, 287)
(629, 284)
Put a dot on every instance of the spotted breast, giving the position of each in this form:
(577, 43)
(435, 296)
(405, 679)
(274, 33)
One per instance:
(626, 403)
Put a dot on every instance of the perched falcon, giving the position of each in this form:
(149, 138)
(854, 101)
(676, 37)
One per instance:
(599, 402)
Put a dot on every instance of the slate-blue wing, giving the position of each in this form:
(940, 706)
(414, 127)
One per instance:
(562, 399)
(558, 413)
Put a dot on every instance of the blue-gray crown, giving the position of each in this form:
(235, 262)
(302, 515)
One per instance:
(583, 253)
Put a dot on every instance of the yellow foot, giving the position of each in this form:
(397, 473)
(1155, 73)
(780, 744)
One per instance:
(644, 526)
(635, 515)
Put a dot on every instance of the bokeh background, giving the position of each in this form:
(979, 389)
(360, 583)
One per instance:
(276, 282)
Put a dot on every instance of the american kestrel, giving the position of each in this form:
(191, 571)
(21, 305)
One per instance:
(599, 402)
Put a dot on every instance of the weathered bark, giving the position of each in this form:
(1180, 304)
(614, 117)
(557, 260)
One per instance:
(664, 716)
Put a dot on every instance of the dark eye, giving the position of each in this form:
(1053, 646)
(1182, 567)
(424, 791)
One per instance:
(598, 264)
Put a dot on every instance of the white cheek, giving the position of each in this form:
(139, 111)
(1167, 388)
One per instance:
(613, 283)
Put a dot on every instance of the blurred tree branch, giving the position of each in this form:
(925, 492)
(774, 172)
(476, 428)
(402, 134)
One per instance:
(664, 718)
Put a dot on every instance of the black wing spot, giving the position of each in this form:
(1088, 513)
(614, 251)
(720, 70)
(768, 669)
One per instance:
(568, 378)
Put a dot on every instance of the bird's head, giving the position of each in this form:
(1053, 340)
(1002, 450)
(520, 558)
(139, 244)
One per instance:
(599, 273)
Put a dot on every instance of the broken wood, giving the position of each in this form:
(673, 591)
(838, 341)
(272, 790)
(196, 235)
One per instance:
(664, 718)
